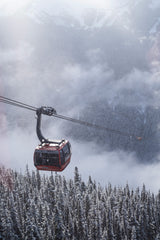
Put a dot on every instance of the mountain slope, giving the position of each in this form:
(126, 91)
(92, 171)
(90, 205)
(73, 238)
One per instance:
(36, 207)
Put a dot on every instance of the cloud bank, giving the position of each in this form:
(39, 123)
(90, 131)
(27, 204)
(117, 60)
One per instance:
(105, 74)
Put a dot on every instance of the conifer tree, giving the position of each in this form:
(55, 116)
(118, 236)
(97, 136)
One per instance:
(58, 225)
(54, 208)
(133, 234)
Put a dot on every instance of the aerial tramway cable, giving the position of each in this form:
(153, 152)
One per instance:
(32, 108)
(93, 125)
(17, 103)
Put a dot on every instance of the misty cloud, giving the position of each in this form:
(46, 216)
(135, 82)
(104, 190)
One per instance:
(117, 167)
(96, 67)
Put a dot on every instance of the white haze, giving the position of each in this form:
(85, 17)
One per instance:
(116, 167)
(70, 86)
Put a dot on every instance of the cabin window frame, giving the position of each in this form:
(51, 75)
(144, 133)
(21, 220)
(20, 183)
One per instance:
(40, 160)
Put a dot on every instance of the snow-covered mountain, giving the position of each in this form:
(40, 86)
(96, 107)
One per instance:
(140, 15)
(90, 58)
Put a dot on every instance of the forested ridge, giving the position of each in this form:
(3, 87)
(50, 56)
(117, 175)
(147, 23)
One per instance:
(34, 206)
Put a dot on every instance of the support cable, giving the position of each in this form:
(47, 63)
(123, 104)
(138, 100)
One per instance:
(17, 103)
(54, 114)
(95, 126)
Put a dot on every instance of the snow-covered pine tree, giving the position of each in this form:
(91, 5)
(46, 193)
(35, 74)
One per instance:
(54, 208)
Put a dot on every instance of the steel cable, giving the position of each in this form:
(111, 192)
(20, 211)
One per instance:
(17, 103)
(32, 108)
(95, 126)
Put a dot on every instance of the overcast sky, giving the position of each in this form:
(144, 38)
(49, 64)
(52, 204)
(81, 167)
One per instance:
(109, 57)
(11, 6)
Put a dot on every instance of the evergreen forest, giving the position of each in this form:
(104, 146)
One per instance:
(39, 207)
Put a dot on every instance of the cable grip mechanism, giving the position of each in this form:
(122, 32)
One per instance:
(46, 110)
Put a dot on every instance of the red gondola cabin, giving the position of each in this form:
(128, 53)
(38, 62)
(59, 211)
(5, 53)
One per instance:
(52, 156)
